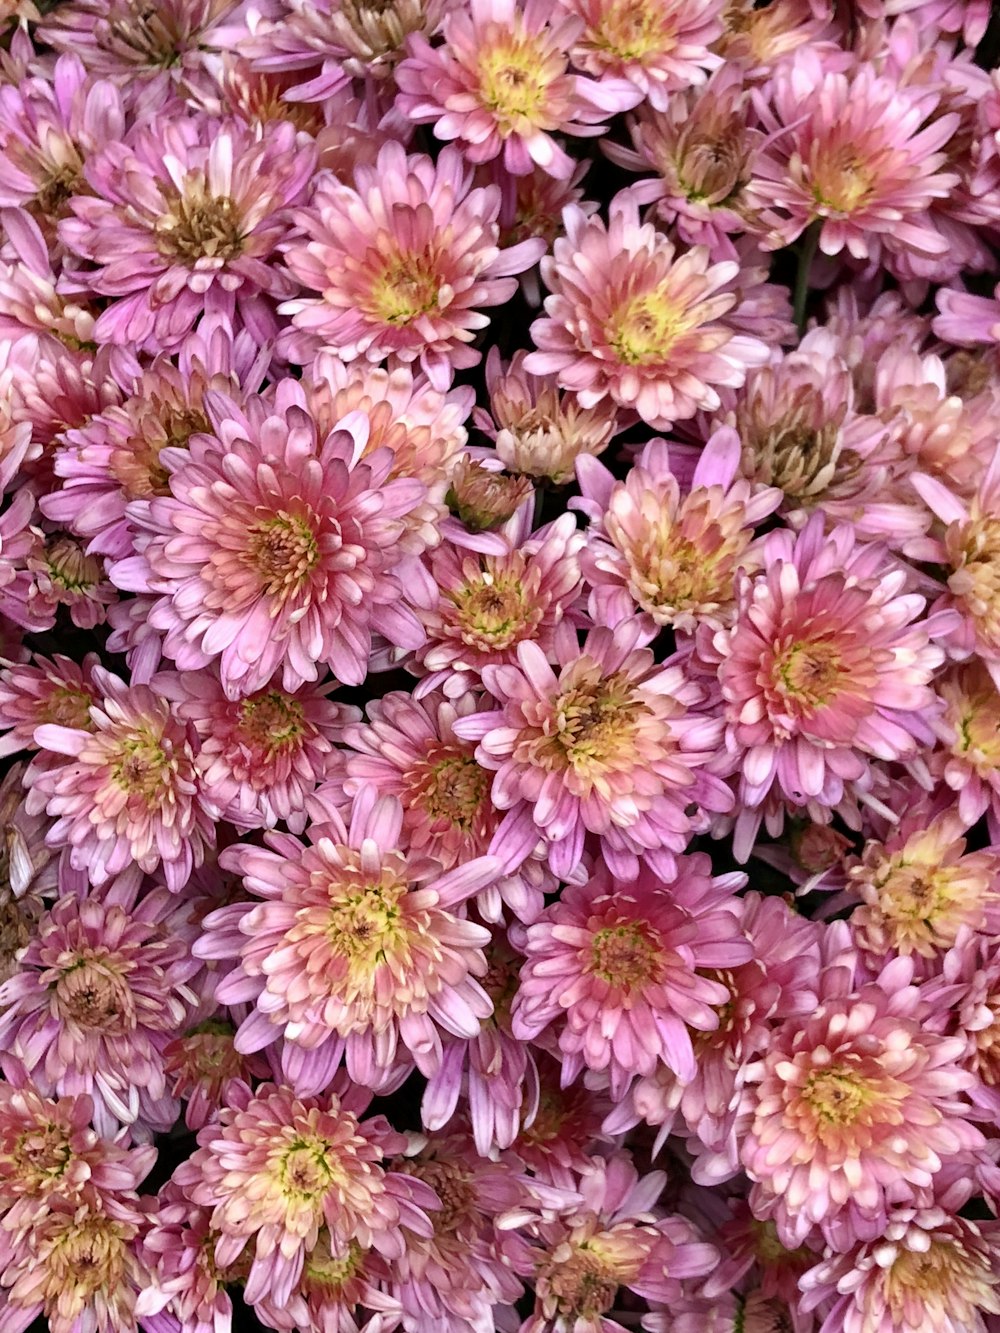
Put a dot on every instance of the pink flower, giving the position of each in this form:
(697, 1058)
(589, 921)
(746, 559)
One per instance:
(409, 749)
(185, 1280)
(55, 690)
(661, 46)
(855, 1106)
(631, 319)
(929, 1269)
(563, 1127)
(277, 1169)
(356, 953)
(258, 757)
(198, 237)
(852, 152)
(94, 1002)
(611, 746)
(823, 670)
(617, 965)
(203, 1067)
(64, 575)
(968, 728)
(499, 85)
(32, 310)
(404, 261)
(966, 320)
(673, 558)
(130, 792)
(274, 549)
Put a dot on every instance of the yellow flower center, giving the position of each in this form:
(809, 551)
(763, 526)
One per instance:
(913, 904)
(514, 79)
(282, 551)
(142, 767)
(632, 29)
(407, 286)
(947, 1276)
(326, 1275)
(594, 728)
(808, 673)
(86, 1257)
(271, 722)
(838, 1096)
(365, 923)
(454, 1185)
(305, 1169)
(627, 956)
(974, 548)
(450, 787)
(842, 181)
(492, 611)
(200, 225)
(40, 1157)
(644, 329)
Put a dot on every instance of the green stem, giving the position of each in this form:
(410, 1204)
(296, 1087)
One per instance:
(806, 256)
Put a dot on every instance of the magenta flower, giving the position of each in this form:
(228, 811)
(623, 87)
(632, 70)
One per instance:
(197, 237)
(632, 319)
(94, 1002)
(611, 745)
(273, 553)
(278, 1169)
(356, 952)
(404, 261)
(130, 793)
(500, 85)
(823, 670)
(620, 968)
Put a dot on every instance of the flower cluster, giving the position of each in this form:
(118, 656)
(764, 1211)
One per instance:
(499, 666)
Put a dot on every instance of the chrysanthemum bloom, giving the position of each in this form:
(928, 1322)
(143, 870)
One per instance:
(49, 127)
(273, 552)
(969, 731)
(930, 1269)
(563, 1127)
(661, 46)
(616, 966)
(753, 1254)
(823, 669)
(500, 85)
(30, 870)
(19, 542)
(533, 206)
(93, 1004)
(151, 49)
(64, 575)
(50, 689)
(971, 971)
(203, 1066)
(79, 1271)
(969, 549)
(423, 428)
(538, 431)
(199, 233)
(853, 153)
(701, 149)
(404, 262)
(277, 1169)
(258, 757)
(408, 749)
(32, 309)
(632, 319)
(455, 1276)
(129, 791)
(611, 745)
(338, 1293)
(853, 1105)
(61, 391)
(116, 457)
(185, 1284)
(755, 40)
(919, 890)
(966, 320)
(476, 609)
(673, 557)
(613, 1239)
(356, 952)
(50, 1156)
(482, 499)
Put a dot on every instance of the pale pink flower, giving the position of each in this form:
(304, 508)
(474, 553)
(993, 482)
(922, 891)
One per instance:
(753, 1256)
(278, 1169)
(336, 1293)
(823, 670)
(408, 748)
(129, 791)
(29, 869)
(968, 760)
(620, 969)
(855, 1106)
(454, 1277)
(563, 1129)
(198, 236)
(274, 549)
(476, 609)
(80, 1272)
(930, 1269)
(55, 690)
(404, 261)
(539, 432)
(971, 973)
(64, 575)
(673, 557)
(356, 952)
(94, 1002)
(611, 745)
(851, 152)
(500, 85)
(260, 756)
(49, 128)
(32, 309)
(614, 1238)
(756, 40)
(203, 1066)
(19, 543)
(660, 46)
(632, 319)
